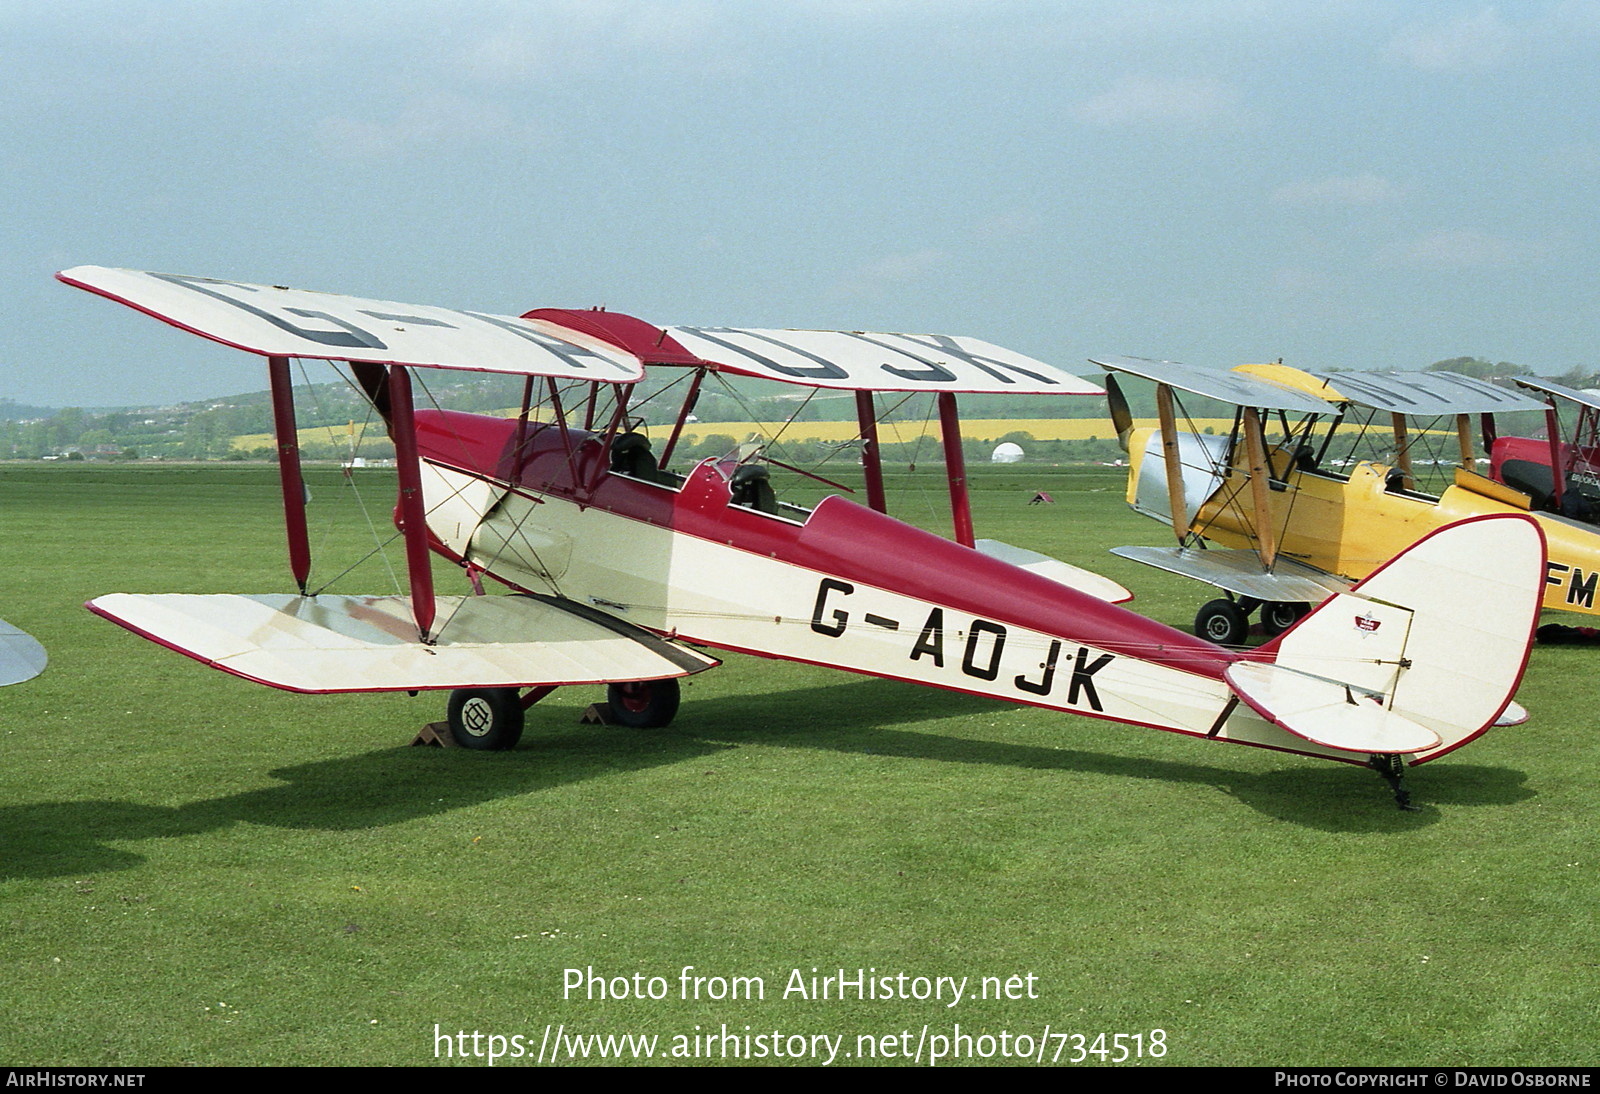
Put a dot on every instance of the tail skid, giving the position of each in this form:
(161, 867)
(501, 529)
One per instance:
(1419, 658)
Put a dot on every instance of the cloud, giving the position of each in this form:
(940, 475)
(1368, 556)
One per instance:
(1339, 190)
(1464, 248)
(1469, 43)
(558, 40)
(877, 277)
(1162, 101)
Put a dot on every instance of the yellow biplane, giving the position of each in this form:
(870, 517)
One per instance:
(1269, 517)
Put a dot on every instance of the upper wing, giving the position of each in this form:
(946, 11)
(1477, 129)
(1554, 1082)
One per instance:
(1427, 394)
(1228, 386)
(280, 322)
(1550, 387)
(863, 361)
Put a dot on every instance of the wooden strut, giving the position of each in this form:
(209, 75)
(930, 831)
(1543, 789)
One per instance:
(1402, 451)
(1260, 487)
(1464, 440)
(413, 516)
(1174, 466)
(955, 466)
(289, 476)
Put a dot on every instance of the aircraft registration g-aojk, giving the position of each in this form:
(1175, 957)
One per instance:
(619, 565)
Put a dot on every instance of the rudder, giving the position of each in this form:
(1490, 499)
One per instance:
(1419, 658)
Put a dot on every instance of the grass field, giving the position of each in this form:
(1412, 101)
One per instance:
(196, 870)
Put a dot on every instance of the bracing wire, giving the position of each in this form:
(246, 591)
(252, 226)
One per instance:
(380, 543)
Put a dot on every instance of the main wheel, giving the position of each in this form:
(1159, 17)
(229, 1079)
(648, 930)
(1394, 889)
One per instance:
(1222, 622)
(486, 718)
(1278, 616)
(645, 704)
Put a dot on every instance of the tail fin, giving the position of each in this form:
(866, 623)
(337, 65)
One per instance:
(1419, 658)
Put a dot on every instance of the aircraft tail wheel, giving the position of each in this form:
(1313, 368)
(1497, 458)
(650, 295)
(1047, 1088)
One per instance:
(644, 704)
(1222, 622)
(489, 719)
(1279, 616)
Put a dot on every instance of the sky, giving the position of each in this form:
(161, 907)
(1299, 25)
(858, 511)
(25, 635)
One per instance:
(1368, 185)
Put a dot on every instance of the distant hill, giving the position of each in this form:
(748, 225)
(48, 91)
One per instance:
(16, 412)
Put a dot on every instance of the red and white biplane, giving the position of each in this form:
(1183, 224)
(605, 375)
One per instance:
(1560, 472)
(620, 565)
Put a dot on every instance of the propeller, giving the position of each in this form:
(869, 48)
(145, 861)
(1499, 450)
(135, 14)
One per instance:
(1121, 416)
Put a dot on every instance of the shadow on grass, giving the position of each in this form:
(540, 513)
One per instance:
(389, 786)
(860, 716)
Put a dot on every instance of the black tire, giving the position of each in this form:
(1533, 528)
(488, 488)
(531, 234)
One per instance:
(488, 719)
(1278, 616)
(1222, 622)
(645, 704)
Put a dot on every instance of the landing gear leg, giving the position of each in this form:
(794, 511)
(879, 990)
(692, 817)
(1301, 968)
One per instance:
(1393, 769)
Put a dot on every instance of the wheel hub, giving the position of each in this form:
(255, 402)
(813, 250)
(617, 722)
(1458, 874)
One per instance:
(477, 718)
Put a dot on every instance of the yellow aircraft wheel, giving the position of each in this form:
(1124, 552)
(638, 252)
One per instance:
(1222, 622)
(1279, 616)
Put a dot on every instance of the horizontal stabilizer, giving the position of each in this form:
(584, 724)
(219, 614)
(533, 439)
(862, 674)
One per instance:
(275, 321)
(1062, 573)
(349, 643)
(21, 656)
(1326, 712)
(1437, 638)
(1515, 714)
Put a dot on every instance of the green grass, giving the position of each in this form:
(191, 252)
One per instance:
(196, 870)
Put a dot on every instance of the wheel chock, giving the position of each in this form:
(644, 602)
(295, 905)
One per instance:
(435, 735)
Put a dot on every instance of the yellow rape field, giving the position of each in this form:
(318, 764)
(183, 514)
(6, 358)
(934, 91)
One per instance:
(976, 429)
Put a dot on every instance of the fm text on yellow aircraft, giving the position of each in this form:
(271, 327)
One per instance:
(1324, 525)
